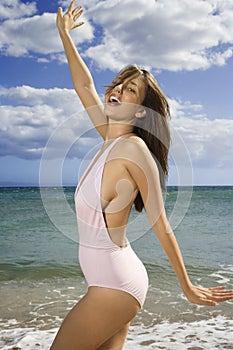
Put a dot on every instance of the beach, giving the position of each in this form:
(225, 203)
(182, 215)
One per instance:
(41, 279)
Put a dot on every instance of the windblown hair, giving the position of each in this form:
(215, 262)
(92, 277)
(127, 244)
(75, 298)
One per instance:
(153, 128)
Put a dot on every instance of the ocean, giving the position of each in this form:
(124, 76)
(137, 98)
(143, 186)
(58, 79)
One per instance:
(41, 279)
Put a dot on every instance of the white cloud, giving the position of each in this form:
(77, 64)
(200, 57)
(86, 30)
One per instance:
(16, 9)
(163, 34)
(37, 35)
(30, 116)
(209, 142)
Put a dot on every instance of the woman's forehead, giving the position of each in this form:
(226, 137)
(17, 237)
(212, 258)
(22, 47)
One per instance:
(135, 79)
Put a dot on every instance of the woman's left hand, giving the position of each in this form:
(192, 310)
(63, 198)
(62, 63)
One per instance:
(67, 22)
(208, 296)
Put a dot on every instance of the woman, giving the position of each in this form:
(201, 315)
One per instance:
(133, 124)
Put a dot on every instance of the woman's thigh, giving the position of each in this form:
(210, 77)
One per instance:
(96, 318)
(116, 342)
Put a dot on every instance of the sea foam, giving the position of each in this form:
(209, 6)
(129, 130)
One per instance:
(214, 333)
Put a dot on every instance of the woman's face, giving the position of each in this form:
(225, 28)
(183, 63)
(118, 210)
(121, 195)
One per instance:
(123, 101)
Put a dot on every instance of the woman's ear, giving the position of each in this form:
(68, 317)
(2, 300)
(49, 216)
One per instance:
(141, 113)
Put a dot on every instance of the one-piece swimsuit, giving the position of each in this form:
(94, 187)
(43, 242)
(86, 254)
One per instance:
(104, 263)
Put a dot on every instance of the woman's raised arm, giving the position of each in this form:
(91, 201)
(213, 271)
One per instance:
(81, 76)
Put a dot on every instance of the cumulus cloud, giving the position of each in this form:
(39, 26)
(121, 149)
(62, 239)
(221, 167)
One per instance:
(30, 116)
(209, 141)
(161, 34)
(32, 35)
(10, 9)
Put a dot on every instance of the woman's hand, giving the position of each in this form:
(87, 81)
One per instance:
(67, 22)
(208, 296)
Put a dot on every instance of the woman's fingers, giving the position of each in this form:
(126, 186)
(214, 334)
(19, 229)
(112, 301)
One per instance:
(77, 13)
(77, 10)
(217, 288)
(59, 16)
(221, 292)
(59, 10)
(217, 294)
(67, 21)
(209, 296)
(70, 8)
(208, 302)
(78, 25)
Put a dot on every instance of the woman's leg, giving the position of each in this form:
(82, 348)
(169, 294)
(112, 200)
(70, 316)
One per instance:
(95, 319)
(116, 342)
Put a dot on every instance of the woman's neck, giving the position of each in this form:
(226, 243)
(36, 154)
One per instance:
(116, 129)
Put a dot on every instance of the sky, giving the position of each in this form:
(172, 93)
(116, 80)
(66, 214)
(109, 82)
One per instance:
(187, 45)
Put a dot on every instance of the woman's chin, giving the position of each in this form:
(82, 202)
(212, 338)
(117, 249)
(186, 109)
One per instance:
(124, 112)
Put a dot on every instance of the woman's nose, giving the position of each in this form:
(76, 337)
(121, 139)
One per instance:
(118, 89)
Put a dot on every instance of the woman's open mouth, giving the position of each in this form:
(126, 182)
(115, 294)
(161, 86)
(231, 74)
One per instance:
(113, 101)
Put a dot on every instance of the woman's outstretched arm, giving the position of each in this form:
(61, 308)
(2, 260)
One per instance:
(81, 76)
(144, 172)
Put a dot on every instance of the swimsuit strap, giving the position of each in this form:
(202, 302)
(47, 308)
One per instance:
(99, 156)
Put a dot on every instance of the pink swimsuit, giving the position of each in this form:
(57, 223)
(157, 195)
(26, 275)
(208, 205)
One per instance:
(104, 263)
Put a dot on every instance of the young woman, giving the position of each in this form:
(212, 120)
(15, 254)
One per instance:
(133, 124)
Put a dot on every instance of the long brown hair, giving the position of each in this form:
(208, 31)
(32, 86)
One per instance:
(153, 128)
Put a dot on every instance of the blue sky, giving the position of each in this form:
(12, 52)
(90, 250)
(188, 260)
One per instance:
(188, 45)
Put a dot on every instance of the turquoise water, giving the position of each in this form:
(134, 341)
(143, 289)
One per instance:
(41, 279)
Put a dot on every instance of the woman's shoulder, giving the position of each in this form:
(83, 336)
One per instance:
(132, 148)
(135, 145)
